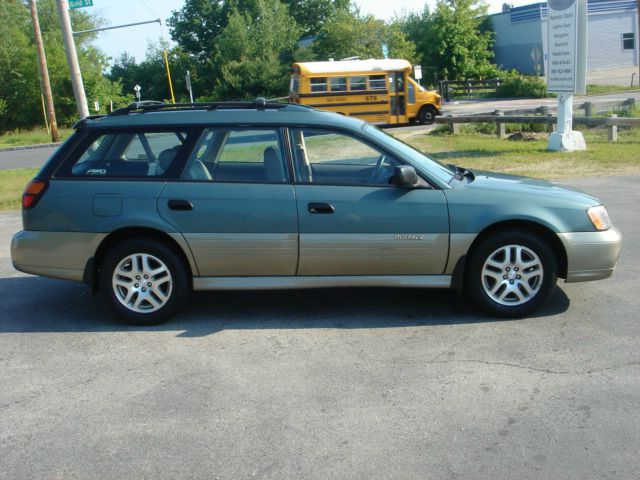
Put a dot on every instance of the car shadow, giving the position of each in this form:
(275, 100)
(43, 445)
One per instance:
(35, 304)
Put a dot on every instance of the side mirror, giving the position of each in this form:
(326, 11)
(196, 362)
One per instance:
(404, 176)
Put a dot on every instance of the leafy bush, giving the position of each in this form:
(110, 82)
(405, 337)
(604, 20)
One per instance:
(514, 84)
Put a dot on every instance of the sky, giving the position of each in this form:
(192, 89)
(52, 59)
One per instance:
(134, 40)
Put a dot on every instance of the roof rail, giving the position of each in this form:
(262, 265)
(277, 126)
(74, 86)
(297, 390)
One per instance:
(260, 103)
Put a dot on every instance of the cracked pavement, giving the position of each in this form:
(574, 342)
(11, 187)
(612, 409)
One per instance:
(352, 383)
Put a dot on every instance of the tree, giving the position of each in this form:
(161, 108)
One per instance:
(312, 15)
(347, 33)
(452, 40)
(254, 52)
(19, 75)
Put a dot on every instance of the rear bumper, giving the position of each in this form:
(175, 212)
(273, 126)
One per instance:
(54, 254)
(591, 255)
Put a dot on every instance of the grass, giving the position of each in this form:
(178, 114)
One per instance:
(12, 183)
(30, 137)
(486, 152)
(602, 89)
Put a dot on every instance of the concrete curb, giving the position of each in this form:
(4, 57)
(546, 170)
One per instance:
(30, 147)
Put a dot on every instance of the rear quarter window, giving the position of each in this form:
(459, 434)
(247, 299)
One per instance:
(132, 154)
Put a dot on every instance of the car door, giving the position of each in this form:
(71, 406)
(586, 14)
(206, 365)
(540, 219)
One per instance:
(235, 204)
(352, 221)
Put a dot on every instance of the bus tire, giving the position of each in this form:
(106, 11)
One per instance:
(427, 115)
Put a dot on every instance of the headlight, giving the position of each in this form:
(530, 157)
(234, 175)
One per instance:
(599, 217)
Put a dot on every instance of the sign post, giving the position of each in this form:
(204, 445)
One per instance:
(567, 67)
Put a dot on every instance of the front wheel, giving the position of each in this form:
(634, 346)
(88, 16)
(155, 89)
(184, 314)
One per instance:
(427, 115)
(143, 281)
(511, 274)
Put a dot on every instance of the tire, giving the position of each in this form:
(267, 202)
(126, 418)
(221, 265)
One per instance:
(143, 281)
(511, 274)
(427, 115)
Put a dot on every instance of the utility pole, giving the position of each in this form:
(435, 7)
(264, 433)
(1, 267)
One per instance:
(72, 58)
(44, 72)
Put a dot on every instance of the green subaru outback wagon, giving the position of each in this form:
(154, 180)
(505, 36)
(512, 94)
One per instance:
(154, 200)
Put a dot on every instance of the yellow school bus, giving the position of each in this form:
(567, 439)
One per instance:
(374, 90)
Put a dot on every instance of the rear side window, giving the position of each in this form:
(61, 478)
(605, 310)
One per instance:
(238, 155)
(128, 155)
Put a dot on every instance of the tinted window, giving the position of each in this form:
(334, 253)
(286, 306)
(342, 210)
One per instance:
(377, 82)
(628, 41)
(339, 84)
(123, 155)
(328, 158)
(238, 155)
(358, 83)
(319, 84)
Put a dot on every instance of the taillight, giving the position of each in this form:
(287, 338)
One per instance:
(32, 193)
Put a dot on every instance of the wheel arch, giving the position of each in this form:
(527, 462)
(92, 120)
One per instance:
(460, 270)
(179, 247)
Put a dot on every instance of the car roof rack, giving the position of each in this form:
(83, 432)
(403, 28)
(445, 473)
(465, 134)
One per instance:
(259, 103)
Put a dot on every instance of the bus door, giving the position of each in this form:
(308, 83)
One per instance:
(397, 98)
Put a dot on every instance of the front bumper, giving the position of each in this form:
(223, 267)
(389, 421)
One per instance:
(591, 255)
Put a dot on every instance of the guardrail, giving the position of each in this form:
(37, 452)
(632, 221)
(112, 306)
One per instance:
(500, 119)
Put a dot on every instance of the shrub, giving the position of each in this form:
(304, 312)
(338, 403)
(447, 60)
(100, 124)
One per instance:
(514, 84)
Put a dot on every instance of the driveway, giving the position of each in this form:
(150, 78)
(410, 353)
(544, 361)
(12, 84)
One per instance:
(359, 383)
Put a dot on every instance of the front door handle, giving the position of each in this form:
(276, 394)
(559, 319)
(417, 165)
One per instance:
(321, 208)
(183, 205)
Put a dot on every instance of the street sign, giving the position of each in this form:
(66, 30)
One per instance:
(417, 71)
(73, 4)
(567, 46)
(385, 50)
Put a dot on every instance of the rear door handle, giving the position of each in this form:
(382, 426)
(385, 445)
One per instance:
(321, 208)
(175, 204)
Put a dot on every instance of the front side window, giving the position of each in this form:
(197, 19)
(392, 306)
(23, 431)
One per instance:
(237, 155)
(330, 158)
(319, 84)
(124, 155)
(628, 41)
(339, 84)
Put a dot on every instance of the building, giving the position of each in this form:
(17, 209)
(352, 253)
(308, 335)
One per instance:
(612, 45)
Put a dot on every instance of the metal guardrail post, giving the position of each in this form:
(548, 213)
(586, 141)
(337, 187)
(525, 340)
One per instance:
(588, 109)
(501, 130)
(613, 130)
(454, 128)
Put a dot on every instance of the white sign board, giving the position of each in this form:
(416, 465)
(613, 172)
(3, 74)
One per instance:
(417, 70)
(562, 45)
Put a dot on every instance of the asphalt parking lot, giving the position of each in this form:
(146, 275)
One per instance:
(358, 383)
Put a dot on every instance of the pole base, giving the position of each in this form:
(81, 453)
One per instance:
(568, 142)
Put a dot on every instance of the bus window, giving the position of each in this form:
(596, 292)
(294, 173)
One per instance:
(357, 83)
(319, 84)
(377, 82)
(339, 84)
(412, 93)
(294, 86)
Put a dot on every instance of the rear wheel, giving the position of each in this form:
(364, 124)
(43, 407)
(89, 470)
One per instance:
(511, 274)
(143, 281)
(427, 115)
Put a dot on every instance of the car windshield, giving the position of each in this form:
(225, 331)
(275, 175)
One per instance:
(428, 164)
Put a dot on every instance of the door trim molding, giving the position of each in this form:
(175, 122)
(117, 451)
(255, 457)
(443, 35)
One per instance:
(329, 281)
